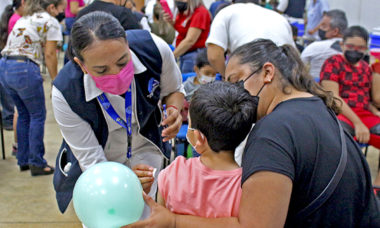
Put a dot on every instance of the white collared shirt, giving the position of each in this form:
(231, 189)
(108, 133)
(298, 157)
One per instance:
(79, 134)
(316, 54)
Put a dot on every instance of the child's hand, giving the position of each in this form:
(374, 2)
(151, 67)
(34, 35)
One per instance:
(145, 175)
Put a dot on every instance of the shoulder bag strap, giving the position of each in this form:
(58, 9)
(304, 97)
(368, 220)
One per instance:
(331, 186)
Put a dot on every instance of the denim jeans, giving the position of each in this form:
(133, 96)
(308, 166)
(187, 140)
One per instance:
(8, 105)
(187, 62)
(23, 81)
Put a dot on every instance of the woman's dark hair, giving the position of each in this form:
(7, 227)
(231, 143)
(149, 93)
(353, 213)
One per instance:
(356, 31)
(34, 6)
(91, 27)
(225, 115)
(287, 61)
(201, 59)
(6, 16)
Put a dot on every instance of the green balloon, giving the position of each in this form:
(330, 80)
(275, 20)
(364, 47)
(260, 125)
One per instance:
(108, 195)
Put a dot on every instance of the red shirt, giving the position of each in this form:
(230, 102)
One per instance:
(354, 81)
(200, 19)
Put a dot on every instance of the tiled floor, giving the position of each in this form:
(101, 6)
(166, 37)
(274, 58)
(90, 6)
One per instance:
(27, 201)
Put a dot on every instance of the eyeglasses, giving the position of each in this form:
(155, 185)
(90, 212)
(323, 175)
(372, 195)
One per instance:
(355, 47)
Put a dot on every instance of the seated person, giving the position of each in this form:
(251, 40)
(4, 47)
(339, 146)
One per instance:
(350, 78)
(210, 185)
(204, 73)
(160, 27)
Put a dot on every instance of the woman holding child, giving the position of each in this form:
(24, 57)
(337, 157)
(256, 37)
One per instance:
(296, 151)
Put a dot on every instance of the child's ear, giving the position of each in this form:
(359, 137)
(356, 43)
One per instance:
(196, 69)
(201, 139)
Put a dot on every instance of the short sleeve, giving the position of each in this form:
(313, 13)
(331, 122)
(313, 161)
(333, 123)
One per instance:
(268, 150)
(330, 70)
(201, 19)
(219, 29)
(171, 77)
(325, 6)
(54, 32)
(128, 20)
(307, 54)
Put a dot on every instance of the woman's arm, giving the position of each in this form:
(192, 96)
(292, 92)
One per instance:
(160, 199)
(190, 39)
(74, 7)
(264, 203)
(361, 131)
(51, 58)
(174, 103)
(172, 93)
(77, 133)
(375, 90)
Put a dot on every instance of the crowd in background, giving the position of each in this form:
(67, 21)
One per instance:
(335, 53)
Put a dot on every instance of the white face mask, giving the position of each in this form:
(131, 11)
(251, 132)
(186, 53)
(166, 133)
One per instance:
(203, 79)
(188, 140)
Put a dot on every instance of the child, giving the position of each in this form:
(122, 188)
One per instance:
(221, 115)
(351, 80)
(204, 74)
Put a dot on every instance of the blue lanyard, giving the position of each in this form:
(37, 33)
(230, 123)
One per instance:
(128, 113)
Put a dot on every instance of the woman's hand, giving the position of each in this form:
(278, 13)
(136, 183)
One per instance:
(145, 175)
(361, 133)
(173, 122)
(168, 19)
(160, 217)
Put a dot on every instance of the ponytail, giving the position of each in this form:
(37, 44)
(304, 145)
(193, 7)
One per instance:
(287, 61)
(301, 80)
(35, 6)
(7, 14)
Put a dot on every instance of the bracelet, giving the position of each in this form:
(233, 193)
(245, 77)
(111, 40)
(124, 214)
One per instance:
(172, 106)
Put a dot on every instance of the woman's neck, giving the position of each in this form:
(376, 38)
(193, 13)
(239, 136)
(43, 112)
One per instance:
(223, 160)
(283, 97)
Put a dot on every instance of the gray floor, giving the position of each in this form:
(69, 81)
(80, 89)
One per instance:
(27, 201)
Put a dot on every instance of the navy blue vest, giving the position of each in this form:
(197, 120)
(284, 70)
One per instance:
(295, 8)
(70, 83)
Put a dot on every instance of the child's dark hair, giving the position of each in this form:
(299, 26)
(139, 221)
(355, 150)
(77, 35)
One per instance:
(91, 27)
(356, 31)
(224, 113)
(6, 16)
(201, 59)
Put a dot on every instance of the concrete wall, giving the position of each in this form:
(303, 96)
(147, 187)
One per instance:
(359, 12)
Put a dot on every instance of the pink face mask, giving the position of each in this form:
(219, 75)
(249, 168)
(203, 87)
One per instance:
(116, 84)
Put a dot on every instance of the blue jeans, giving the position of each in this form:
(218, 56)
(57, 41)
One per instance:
(187, 62)
(8, 107)
(69, 21)
(23, 81)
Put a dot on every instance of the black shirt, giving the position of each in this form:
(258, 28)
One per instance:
(300, 139)
(124, 15)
